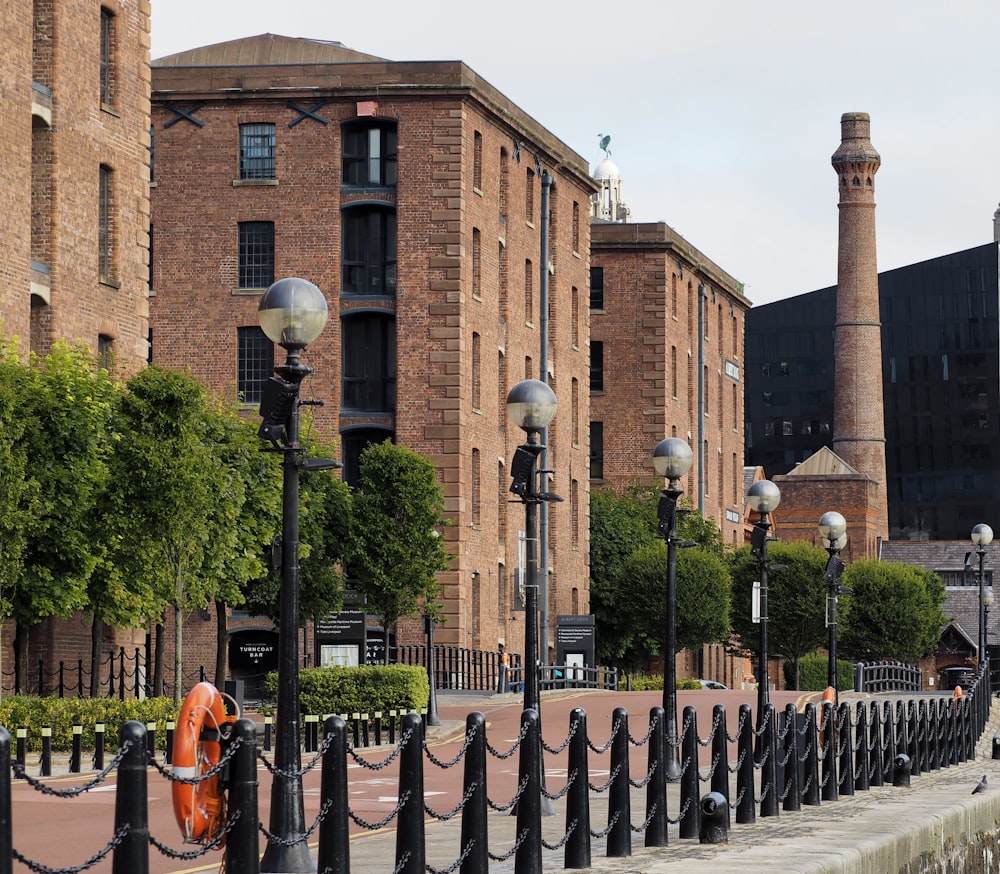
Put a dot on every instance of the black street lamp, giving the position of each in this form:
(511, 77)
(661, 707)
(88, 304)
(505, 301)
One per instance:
(833, 534)
(672, 459)
(982, 536)
(292, 313)
(531, 405)
(763, 498)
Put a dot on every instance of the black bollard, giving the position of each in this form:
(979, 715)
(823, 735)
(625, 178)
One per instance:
(99, 746)
(829, 752)
(996, 746)
(862, 761)
(792, 781)
(656, 788)
(714, 824)
(901, 770)
(577, 854)
(619, 802)
(410, 846)
(528, 858)
(934, 732)
(846, 736)
(22, 746)
(720, 756)
(242, 846)
(151, 741)
(746, 806)
(45, 762)
(875, 772)
(690, 813)
(168, 755)
(131, 856)
(74, 756)
(475, 826)
(811, 753)
(769, 788)
(334, 855)
(913, 737)
(6, 828)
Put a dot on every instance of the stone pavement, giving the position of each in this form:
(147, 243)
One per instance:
(873, 832)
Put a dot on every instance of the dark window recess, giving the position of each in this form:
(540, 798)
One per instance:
(369, 251)
(597, 288)
(369, 154)
(369, 363)
(596, 365)
(257, 147)
(256, 256)
(353, 443)
(597, 450)
(254, 363)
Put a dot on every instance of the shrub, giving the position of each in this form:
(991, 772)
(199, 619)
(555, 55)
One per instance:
(61, 714)
(363, 689)
(813, 673)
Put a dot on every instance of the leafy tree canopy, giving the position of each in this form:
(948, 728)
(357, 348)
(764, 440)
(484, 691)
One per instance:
(895, 611)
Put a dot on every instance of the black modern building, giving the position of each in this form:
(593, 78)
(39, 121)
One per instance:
(941, 378)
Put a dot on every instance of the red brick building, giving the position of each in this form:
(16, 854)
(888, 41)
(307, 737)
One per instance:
(74, 181)
(410, 193)
(666, 335)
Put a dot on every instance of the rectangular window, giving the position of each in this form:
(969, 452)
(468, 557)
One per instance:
(477, 161)
(576, 226)
(477, 377)
(257, 147)
(575, 317)
(104, 344)
(369, 363)
(107, 57)
(529, 290)
(105, 224)
(369, 251)
(254, 363)
(596, 365)
(369, 154)
(597, 288)
(575, 412)
(597, 450)
(673, 371)
(256, 254)
(529, 195)
(475, 492)
(477, 263)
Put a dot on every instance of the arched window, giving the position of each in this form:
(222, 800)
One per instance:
(369, 362)
(369, 250)
(369, 154)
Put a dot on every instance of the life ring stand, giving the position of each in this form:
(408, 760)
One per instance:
(829, 695)
(200, 807)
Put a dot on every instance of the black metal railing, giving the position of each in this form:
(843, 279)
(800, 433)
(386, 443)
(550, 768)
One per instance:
(886, 676)
(801, 759)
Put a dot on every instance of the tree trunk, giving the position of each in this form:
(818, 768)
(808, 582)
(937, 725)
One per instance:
(221, 644)
(158, 660)
(20, 659)
(96, 639)
(178, 654)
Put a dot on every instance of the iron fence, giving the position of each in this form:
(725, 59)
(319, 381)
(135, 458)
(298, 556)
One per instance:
(801, 759)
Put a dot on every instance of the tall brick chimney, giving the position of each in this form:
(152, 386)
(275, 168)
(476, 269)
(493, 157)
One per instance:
(858, 422)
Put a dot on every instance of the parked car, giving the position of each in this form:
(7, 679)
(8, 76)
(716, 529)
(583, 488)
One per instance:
(712, 684)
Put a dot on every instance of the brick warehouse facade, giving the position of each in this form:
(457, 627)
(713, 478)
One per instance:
(74, 98)
(650, 291)
(410, 193)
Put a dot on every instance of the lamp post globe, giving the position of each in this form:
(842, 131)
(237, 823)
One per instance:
(531, 405)
(292, 313)
(764, 497)
(833, 530)
(672, 459)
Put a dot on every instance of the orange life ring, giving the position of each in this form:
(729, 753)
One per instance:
(198, 806)
(829, 695)
(959, 694)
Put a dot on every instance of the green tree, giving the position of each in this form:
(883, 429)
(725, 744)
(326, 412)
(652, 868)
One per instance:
(324, 540)
(398, 512)
(64, 403)
(894, 611)
(620, 526)
(702, 597)
(172, 501)
(796, 600)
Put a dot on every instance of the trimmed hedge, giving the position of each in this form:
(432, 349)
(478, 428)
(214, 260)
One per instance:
(364, 689)
(813, 673)
(61, 714)
(652, 682)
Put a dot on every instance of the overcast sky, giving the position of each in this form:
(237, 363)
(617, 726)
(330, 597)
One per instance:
(723, 114)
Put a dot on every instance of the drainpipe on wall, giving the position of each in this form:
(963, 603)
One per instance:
(701, 398)
(543, 511)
